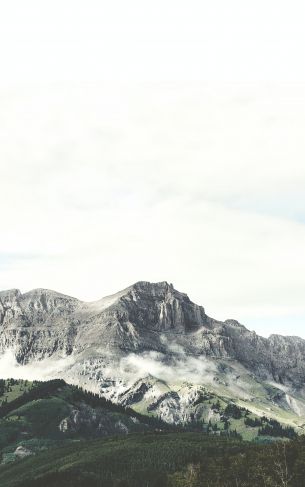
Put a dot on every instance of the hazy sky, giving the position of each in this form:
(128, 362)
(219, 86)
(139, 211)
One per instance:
(156, 141)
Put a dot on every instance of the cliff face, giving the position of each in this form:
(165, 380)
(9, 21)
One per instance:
(36, 324)
(148, 332)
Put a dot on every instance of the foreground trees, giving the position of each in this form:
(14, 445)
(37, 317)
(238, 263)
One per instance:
(163, 460)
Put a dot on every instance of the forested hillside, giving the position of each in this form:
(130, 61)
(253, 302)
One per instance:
(162, 460)
(40, 415)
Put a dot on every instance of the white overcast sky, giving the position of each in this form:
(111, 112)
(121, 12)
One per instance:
(155, 141)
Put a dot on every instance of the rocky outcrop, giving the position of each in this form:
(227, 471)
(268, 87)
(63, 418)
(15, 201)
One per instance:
(37, 324)
(22, 452)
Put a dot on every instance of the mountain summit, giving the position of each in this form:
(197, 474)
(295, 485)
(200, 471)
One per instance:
(150, 347)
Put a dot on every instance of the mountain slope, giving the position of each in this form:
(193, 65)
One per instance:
(150, 347)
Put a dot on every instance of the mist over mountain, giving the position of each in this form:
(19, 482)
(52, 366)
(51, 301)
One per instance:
(150, 347)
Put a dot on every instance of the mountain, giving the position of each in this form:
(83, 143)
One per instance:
(151, 348)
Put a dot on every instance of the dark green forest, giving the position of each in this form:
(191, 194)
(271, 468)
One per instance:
(162, 460)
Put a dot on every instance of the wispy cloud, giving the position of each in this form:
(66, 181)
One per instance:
(180, 369)
(48, 368)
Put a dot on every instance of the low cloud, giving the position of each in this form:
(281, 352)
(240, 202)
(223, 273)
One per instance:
(179, 369)
(49, 368)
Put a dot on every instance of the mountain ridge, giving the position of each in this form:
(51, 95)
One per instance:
(50, 292)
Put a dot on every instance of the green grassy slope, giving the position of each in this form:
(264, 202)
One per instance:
(11, 389)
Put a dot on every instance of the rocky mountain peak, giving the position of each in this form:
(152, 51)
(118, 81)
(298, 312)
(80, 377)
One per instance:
(146, 285)
(158, 290)
(10, 295)
(160, 307)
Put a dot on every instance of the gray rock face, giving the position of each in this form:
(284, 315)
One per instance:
(149, 332)
(37, 323)
(22, 452)
(97, 422)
